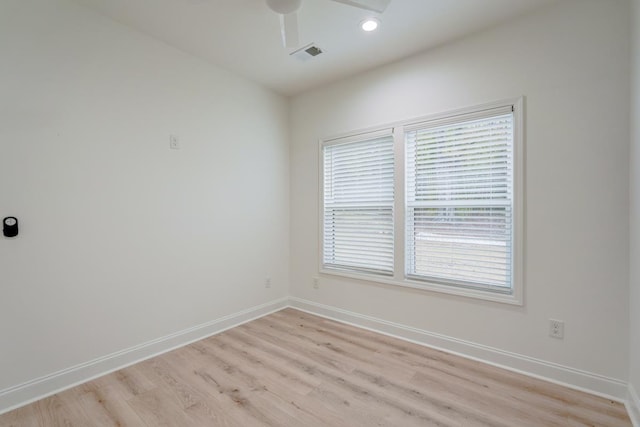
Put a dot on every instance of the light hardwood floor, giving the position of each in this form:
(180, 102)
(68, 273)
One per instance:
(294, 369)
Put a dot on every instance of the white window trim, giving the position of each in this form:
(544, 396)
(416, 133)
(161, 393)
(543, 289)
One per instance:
(516, 297)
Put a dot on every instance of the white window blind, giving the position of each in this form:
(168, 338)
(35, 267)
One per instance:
(459, 200)
(358, 205)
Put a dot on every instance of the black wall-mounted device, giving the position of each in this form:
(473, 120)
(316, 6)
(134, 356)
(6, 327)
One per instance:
(10, 226)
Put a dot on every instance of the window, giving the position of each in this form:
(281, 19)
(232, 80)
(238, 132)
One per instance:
(358, 204)
(459, 196)
(453, 194)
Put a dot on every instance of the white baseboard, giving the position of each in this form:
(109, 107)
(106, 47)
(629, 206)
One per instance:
(22, 394)
(633, 406)
(601, 385)
(611, 388)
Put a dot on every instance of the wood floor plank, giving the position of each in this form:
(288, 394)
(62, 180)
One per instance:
(158, 407)
(57, 410)
(543, 395)
(326, 414)
(267, 364)
(332, 374)
(106, 406)
(341, 349)
(238, 389)
(295, 369)
(546, 396)
(129, 382)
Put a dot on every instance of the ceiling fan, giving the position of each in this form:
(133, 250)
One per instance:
(287, 9)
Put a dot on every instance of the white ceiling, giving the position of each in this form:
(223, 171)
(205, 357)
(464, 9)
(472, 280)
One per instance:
(244, 35)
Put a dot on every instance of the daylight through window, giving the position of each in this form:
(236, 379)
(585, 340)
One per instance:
(450, 186)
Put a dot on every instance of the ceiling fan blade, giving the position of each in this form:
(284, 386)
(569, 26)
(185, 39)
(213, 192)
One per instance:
(378, 6)
(289, 29)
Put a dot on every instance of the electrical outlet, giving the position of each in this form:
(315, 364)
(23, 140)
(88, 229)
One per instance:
(267, 282)
(174, 142)
(556, 328)
(316, 283)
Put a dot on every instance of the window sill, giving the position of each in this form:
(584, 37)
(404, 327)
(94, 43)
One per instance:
(514, 298)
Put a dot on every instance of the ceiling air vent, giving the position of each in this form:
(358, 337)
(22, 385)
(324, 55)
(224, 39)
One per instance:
(306, 52)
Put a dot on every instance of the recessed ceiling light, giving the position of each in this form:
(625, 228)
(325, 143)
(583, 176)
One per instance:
(369, 24)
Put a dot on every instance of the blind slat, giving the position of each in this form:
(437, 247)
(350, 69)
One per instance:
(459, 184)
(358, 205)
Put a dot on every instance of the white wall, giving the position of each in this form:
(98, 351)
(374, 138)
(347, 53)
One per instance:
(123, 240)
(634, 298)
(570, 60)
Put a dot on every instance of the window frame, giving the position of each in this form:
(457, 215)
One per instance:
(399, 277)
(355, 139)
